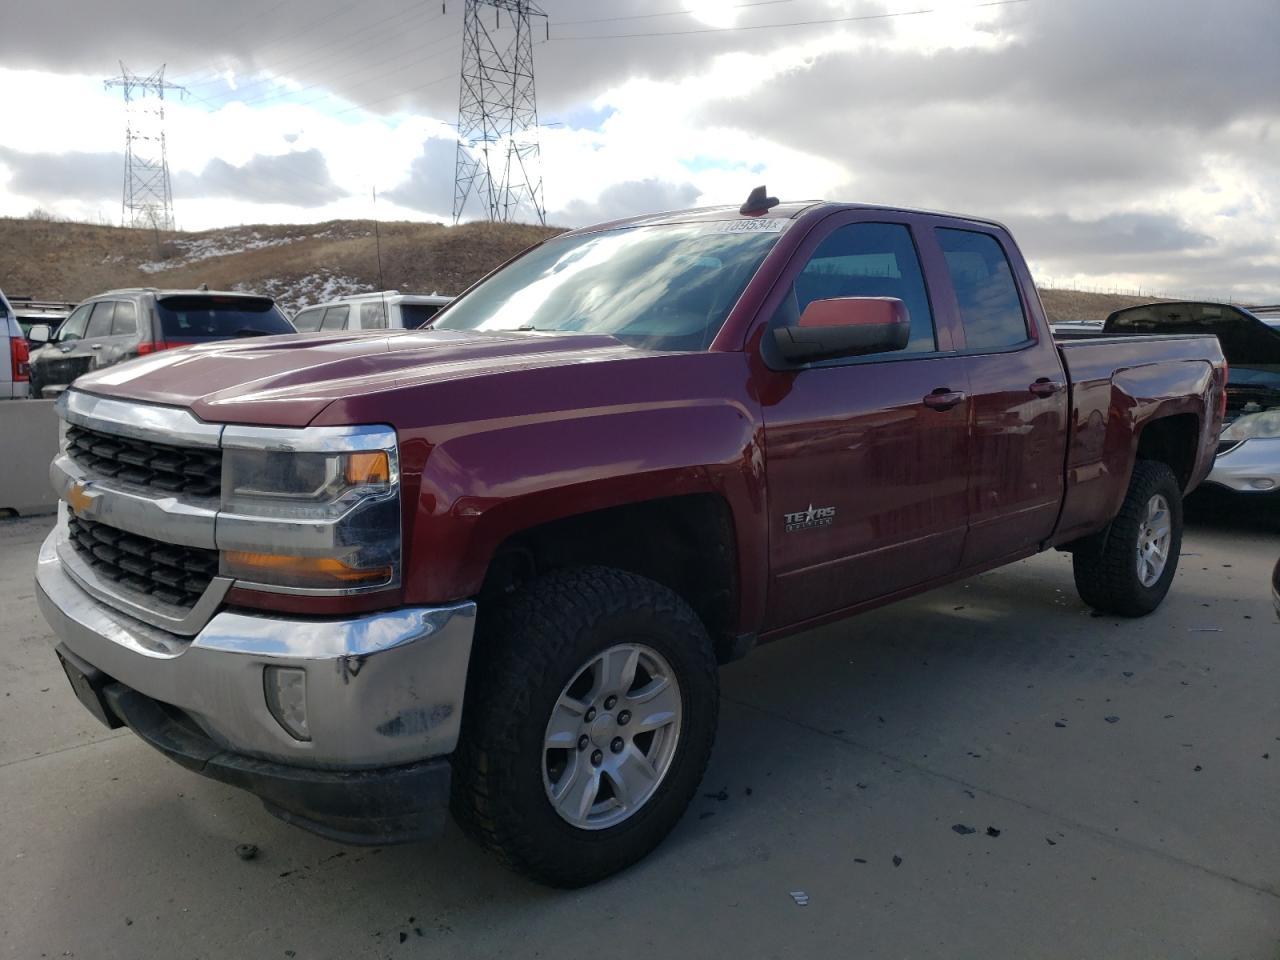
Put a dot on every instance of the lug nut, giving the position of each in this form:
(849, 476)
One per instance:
(591, 714)
(617, 745)
(609, 701)
(624, 718)
(583, 741)
(597, 758)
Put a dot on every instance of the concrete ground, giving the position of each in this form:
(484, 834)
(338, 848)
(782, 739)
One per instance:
(1131, 769)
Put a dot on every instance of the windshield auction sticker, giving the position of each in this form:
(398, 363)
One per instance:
(760, 225)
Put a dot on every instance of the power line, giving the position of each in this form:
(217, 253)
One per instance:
(228, 34)
(668, 13)
(351, 48)
(413, 51)
(294, 33)
(777, 26)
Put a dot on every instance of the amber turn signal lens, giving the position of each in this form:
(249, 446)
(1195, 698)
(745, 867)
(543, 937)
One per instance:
(300, 571)
(363, 468)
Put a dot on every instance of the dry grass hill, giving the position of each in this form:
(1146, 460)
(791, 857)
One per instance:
(302, 264)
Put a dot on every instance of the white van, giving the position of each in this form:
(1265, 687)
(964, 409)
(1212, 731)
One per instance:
(389, 309)
(15, 355)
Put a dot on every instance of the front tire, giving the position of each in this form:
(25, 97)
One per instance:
(1127, 568)
(590, 714)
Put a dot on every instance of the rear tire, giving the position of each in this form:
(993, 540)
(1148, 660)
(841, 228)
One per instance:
(1127, 568)
(552, 643)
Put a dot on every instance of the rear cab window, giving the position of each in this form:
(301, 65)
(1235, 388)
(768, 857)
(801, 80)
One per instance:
(990, 307)
(190, 318)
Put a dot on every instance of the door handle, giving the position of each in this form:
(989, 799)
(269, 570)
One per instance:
(95, 346)
(64, 349)
(1044, 387)
(943, 399)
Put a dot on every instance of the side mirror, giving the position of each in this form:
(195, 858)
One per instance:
(39, 334)
(846, 327)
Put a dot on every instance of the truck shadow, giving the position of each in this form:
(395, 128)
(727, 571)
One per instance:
(1210, 508)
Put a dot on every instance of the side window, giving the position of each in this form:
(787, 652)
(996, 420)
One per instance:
(126, 319)
(866, 260)
(308, 321)
(373, 316)
(73, 329)
(335, 318)
(100, 319)
(990, 308)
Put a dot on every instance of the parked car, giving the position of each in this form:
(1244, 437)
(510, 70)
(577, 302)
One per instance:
(498, 560)
(123, 324)
(15, 357)
(1248, 459)
(43, 316)
(1275, 588)
(371, 311)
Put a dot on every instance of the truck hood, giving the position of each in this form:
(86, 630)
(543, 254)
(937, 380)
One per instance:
(288, 380)
(1245, 340)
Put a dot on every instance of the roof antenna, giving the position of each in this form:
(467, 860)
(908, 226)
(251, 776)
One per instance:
(758, 202)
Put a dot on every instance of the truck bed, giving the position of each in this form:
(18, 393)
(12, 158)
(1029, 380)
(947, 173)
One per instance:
(1117, 384)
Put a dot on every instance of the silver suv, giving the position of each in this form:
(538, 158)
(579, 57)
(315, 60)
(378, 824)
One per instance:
(390, 309)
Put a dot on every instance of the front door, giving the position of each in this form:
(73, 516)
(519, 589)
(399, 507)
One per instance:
(866, 458)
(55, 359)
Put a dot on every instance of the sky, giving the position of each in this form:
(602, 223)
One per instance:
(1129, 144)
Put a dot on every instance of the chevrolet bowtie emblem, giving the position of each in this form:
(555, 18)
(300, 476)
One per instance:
(79, 499)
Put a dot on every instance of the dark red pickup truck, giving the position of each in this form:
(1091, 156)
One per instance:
(497, 561)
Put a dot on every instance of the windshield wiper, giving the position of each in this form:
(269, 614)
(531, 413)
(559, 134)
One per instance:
(250, 332)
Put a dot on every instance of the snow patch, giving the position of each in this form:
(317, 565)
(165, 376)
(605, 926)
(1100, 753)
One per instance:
(188, 250)
(293, 294)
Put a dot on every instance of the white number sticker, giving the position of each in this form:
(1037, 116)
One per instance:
(753, 225)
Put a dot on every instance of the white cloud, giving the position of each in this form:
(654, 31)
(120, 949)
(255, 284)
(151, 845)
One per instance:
(1131, 142)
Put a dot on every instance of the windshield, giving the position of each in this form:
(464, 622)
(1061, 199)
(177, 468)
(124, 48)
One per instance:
(662, 288)
(195, 318)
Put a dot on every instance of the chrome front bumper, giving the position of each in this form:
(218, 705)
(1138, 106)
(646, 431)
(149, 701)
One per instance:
(381, 689)
(1251, 466)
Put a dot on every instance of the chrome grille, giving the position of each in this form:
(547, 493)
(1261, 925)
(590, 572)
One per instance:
(190, 470)
(174, 574)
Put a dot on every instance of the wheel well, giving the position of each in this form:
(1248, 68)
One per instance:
(1172, 440)
(686, 543)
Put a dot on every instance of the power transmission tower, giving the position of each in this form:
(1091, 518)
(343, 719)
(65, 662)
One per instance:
(498, 157)
(147, 199)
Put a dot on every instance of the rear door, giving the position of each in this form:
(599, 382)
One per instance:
(87, 353)
(1019, 395)
(866, 457)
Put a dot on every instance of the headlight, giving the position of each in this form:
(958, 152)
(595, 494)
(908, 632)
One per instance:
(312, 510)
(1251, 425)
